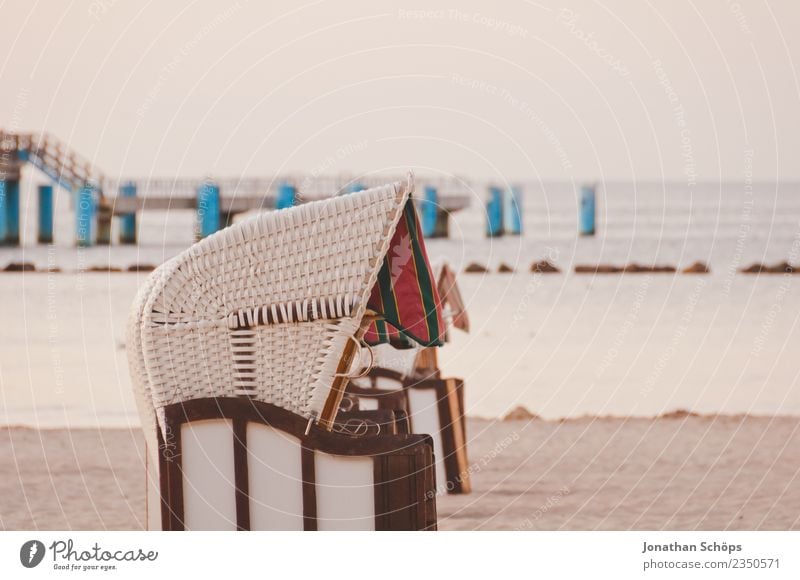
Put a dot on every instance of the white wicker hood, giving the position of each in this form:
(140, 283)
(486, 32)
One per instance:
(263, 308)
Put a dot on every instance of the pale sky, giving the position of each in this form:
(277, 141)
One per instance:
(568, 90)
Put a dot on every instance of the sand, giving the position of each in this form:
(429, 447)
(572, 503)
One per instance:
(613, 474)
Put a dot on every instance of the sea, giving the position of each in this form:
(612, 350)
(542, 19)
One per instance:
(562, 345)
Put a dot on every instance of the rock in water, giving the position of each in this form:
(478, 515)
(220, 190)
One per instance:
(521, 414)
(104, 269)
(782, 268)
(475, 268)
(141, 268)
(779, 268)
(20, 267)
(678, 414)
(544, 267)
(696, 268)
(599, 269)
(634, 268)
(662, 269)
(752, 269)
(505, 269)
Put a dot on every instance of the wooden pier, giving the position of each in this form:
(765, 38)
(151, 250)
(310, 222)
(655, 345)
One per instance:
(98, 199)
(242, 196)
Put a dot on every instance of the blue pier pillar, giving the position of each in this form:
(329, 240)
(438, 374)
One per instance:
(3, 212)
(45, 222)
(127, 222)
(494, 213)
(85, 210)
(12, 212)
(428, 209)
(354, 187)
(287, 194)
(513, 211)
(208, 209)
(587, 211)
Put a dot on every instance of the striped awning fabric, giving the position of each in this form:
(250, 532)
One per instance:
(405, 295)
(381, 332)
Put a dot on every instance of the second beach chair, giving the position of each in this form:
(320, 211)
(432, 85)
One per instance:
(406, 377)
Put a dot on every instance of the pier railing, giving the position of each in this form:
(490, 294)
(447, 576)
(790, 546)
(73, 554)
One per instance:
(97, 199)
(53, 157)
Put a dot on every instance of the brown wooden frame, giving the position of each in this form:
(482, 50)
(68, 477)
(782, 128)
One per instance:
(386, 399)
(450, 406)
(404, 474)
(427, 375)
(453, 429)
(370, 423)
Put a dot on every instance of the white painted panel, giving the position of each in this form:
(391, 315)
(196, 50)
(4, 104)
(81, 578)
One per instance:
(363, 382)
(275, 470)
(209, 488)
(345, 492)
(398, 360)
(367, 404)
(387, 384)
(424, 415)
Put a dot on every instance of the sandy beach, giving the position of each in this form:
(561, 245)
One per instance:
(681, 473)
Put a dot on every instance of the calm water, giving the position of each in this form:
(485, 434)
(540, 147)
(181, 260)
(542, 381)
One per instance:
(563, 345)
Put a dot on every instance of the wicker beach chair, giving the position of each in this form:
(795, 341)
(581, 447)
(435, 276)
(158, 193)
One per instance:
(409, 380)
(240, 349)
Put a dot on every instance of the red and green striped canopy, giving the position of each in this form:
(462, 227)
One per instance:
(405, 294)
(380, 332)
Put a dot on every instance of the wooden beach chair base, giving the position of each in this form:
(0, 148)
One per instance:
(239, 464)
(435, 407)
(372, 423)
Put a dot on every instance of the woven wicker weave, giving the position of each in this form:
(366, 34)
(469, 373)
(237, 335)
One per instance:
(263, 308)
